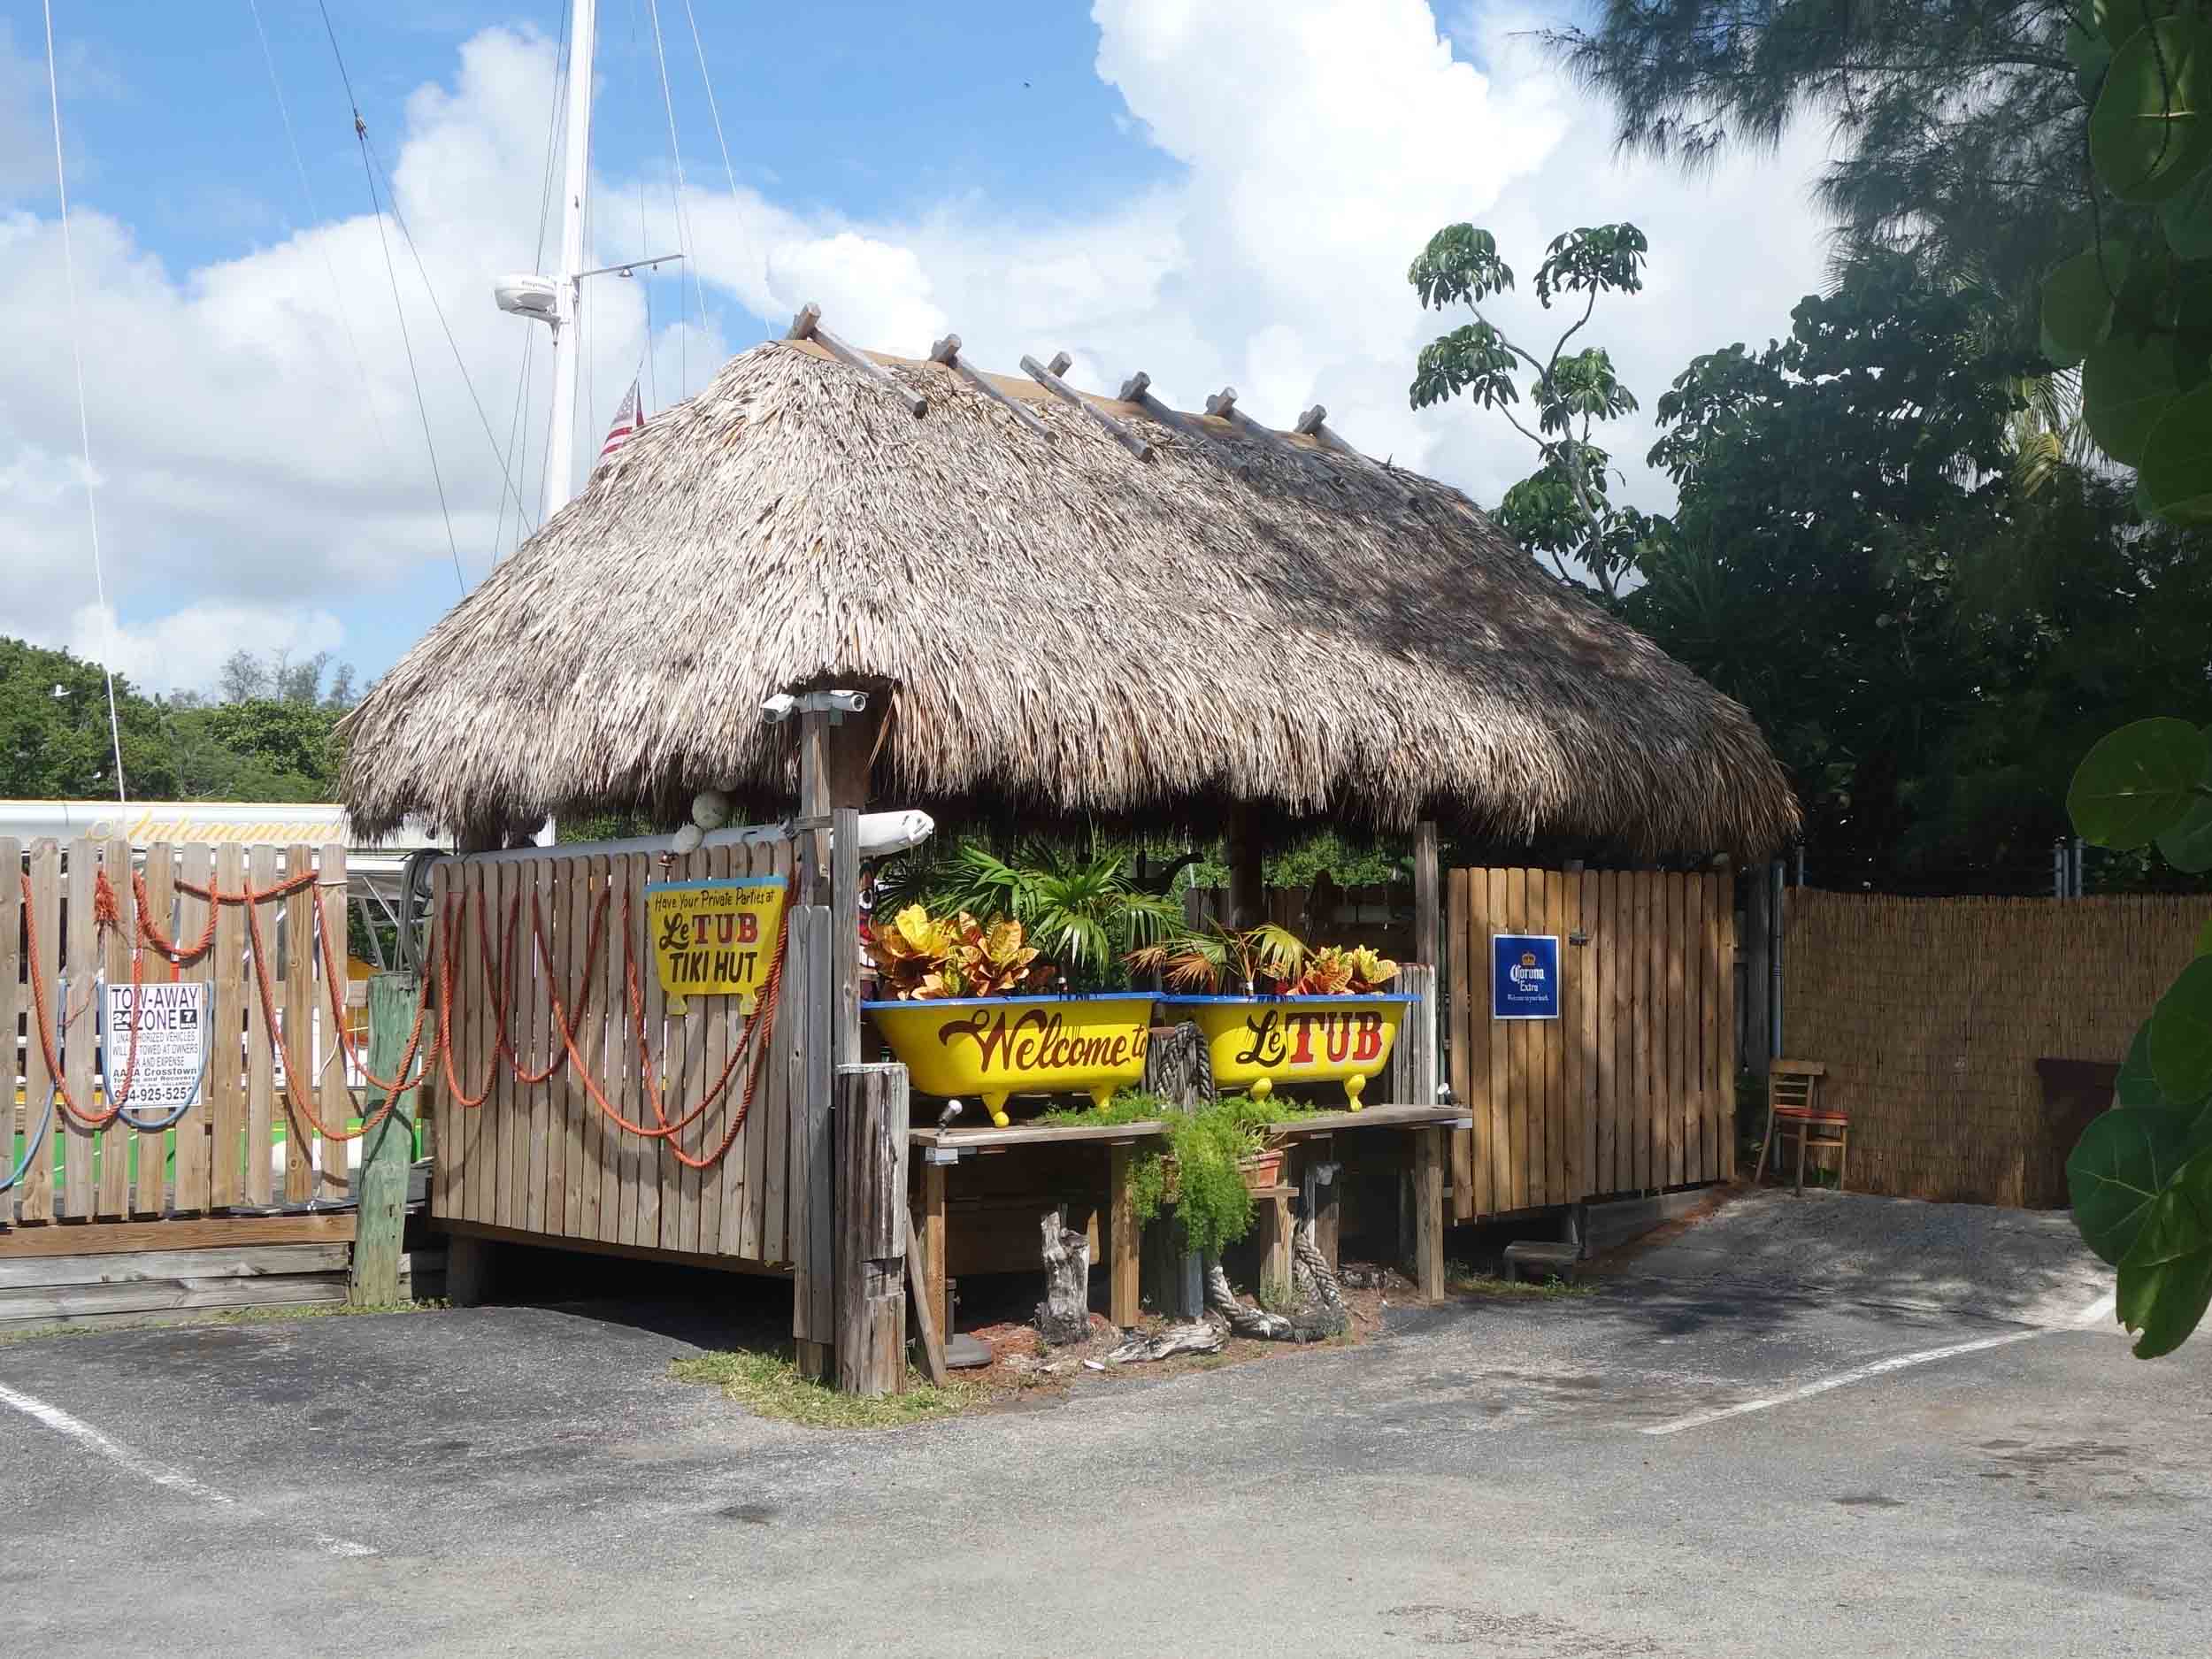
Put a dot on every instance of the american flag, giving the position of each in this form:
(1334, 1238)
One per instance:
(628, 421)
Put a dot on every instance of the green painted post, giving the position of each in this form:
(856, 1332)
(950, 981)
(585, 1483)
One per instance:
(386, 1151)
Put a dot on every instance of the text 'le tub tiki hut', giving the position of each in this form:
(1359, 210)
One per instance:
(1063, 607)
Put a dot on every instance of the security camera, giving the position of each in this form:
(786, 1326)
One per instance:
(779, 707)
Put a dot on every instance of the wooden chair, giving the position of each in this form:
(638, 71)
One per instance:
(1793, 1108)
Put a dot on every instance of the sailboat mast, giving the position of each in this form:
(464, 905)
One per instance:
(560, 455)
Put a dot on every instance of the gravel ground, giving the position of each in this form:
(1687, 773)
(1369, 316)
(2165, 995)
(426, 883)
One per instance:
(2025, 1265)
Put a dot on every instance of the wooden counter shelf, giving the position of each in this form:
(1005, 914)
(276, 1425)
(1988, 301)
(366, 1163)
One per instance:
(1119, 1234)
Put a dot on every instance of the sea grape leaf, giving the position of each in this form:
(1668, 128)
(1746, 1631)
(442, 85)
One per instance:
(2126, 385)
(2077, 298)
(2117, 1170)
(2151, 129)
(2166, 1277)
(2136, 782)
(2186, 218)
(2137, 1084)
(2181, 1034)
(2177, 470)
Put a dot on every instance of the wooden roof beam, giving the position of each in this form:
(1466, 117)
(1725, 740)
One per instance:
(1137, 389)
(1050, 379)
(808, 326)
(1314, 423)
(947, 351)
(1223, 406)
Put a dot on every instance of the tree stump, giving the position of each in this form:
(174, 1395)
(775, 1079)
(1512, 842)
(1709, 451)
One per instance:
(1064, 1318)
(1177, 1068)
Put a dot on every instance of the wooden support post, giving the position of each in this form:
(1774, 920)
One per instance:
(1428, 1212)
(925, 1311)
(806, 993)
(468, 1269)
(1274, 1245)
(872, 1229)
(386, 1151)
(845, 934)
(1428, 889)
(1124, 1302)
(939, 1287)
(1323, 1179)
(1247, 871)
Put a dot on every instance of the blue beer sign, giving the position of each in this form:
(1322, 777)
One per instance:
(1524, 976)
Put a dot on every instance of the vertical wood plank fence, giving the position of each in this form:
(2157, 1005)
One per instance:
(1632, 1089)
(240, 1145)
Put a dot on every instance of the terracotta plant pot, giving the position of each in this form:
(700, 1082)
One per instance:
(1262, 1169)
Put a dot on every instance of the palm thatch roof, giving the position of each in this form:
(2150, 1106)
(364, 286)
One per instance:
(1060, 627)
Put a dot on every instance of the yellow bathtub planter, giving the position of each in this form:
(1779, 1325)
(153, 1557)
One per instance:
(994, 1046)
(1257, 1043)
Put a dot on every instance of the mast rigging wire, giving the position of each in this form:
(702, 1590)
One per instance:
(391, 274)
(84, 421)
(315, 217)
(684, 239)
(728, 171)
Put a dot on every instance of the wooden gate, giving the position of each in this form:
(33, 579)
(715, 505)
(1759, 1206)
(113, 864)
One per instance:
(545, 1160)
(1632, 1089)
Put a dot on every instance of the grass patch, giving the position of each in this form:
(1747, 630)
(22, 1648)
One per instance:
(1463, 1279)
(769, 1385)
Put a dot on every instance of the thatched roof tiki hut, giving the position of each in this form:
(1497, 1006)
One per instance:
(1063, 607)
(1058, 607)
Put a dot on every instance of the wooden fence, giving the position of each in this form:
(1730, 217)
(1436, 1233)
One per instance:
(235, 1147)
(1632, 1089)
(1930, 1015)
(543, 1162)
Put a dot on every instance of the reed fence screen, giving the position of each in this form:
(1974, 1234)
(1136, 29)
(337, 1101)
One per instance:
(1930, 1014)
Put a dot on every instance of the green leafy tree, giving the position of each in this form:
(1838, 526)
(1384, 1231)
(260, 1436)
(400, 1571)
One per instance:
(1827, 485)
(1563, 509)
(54, 743)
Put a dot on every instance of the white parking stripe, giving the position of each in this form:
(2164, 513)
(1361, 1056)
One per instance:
(1857, 1373)
(151, 1468)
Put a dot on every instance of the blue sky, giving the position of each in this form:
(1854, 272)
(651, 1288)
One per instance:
(1213, 190)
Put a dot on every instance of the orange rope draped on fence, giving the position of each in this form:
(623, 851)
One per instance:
(754, 1035)
(500, 976)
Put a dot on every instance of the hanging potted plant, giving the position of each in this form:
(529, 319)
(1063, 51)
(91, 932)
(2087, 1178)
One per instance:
(1274, 1009)
(965, 1018)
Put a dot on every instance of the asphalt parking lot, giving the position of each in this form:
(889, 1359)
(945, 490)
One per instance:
(1683, 1463)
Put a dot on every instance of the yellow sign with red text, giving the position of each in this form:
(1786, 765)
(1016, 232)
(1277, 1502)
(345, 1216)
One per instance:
(715, 938)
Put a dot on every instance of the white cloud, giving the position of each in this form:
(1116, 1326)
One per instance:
(182, 650)
(261, 459)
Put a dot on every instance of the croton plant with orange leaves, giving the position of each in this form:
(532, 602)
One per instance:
(920, 957)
